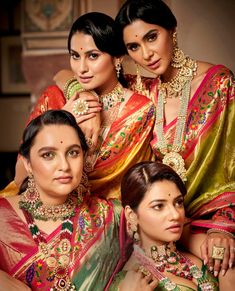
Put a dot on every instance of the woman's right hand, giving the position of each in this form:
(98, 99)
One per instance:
(89, 122)
(136, 281)
(7, 282)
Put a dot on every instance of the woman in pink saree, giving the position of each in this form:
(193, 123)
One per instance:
(55, 235)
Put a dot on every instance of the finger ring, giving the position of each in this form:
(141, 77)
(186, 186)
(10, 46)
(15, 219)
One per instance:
(143, 271)
(89, 142)
(80, 107)
(218, 253)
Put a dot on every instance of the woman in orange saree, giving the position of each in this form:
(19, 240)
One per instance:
(126, 125)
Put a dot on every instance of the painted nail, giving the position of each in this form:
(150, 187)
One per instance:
(215, 273)
(211, 268)
(223, 272)
(230, 265)
(205, 261)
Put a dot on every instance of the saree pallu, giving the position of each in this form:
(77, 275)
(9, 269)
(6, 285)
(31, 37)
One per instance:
(209, 150)
(127, 142)
(96, 230)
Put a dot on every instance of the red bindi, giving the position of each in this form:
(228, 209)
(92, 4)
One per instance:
(81, 48)
(61, 141)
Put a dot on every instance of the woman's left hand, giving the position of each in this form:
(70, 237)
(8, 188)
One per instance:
(224, 245)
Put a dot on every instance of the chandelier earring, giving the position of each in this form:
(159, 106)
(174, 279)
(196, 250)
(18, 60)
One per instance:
(118, 68)
(132, 231)
(31, 194)
(178, 57)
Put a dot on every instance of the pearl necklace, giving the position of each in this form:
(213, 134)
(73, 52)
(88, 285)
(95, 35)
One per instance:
(181, 83)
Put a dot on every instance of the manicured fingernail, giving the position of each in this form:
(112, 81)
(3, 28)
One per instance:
(223, 272)
(205, 261)
(230, 265)
(215, 273)
(211, 268)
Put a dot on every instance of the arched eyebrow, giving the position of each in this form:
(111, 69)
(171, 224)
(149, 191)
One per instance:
(145, 37)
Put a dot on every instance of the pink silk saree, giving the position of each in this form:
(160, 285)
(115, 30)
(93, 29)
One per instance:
(96, 230)
(209, 151)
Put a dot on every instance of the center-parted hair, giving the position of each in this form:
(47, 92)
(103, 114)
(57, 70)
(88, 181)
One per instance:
(103, 29)
(139, 178)
(150, 11)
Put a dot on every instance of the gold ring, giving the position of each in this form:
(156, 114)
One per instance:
(80, 107)
(218, 253)
(89, 142)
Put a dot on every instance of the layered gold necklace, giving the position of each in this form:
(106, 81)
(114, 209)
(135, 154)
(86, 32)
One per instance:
(179, 86)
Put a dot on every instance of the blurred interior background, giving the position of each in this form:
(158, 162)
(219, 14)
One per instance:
(33, 47)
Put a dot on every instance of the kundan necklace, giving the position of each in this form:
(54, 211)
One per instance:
(162, 259)
(179, 85)
(112, 98)
(57, 258)
(30, 201)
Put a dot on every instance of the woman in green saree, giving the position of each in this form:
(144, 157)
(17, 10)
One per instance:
(153, 201)
(194, 132)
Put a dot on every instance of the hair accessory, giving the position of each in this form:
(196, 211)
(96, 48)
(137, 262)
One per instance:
(118, 68)
(80, 107)
(218, 253)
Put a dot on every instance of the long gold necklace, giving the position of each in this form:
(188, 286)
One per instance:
(180, 84)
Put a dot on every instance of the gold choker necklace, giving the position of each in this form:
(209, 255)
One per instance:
(110, 99)
(179, 85)
(173, 88)
(31, 202)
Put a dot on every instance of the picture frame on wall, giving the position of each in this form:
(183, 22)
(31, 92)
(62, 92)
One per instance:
(12, 77)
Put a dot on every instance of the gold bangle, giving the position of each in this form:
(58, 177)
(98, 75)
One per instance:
(218, 230)
(67, 83)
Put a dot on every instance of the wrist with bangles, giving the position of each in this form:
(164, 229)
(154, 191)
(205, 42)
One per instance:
(72, 86)
(218, 230)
